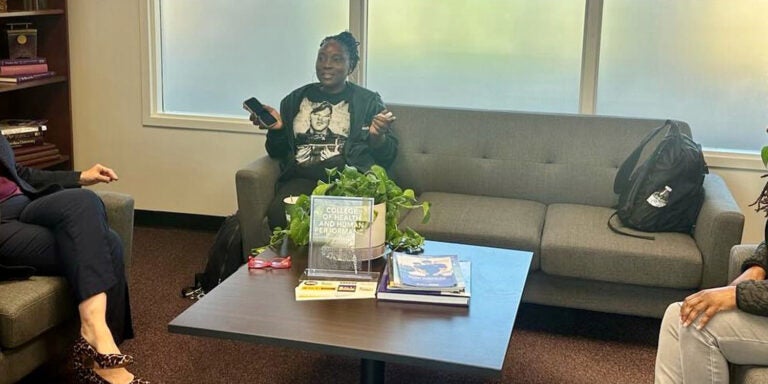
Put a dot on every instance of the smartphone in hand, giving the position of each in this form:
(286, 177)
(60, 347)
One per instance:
(253, 106)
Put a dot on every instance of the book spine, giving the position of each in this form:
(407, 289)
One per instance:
(23, 78)
(25, 135)
(34, 60)
(40, 160)
(25, 142)
(35, 76)
(33, 149)
(18, 130)
(37, 155)
(28, 69)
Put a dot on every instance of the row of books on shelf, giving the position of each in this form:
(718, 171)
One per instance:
(27, 138)
(438, 279)
(21, 70)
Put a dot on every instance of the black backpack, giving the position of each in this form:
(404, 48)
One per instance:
(224, 258)
(666, 192)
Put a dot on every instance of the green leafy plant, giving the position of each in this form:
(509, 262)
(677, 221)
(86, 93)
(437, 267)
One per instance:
(350, 182)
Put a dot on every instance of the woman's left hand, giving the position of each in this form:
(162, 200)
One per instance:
(705, 304)
(380, 126)
(97, 174)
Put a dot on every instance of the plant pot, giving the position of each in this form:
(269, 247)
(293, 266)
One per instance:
(374, 248)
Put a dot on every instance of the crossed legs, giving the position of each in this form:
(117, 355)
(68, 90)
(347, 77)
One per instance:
(66, 233)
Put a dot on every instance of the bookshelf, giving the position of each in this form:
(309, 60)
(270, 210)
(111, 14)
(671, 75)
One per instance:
(46, 98)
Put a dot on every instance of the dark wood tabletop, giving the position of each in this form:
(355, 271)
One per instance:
(259, 306)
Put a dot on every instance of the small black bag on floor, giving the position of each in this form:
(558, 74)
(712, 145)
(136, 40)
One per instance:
(666, 192)
(224, 258)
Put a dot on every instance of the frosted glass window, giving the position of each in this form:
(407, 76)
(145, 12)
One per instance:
(501, 55)
(701, 61)
(217, 53)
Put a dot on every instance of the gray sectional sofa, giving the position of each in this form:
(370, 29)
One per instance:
(543, 183)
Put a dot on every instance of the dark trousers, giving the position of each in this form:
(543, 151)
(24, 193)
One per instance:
(292, 187)
(66, 234)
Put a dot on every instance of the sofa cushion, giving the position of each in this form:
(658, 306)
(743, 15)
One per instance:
(481, 220)
(577, 242)
(31, 307)
(749, 374)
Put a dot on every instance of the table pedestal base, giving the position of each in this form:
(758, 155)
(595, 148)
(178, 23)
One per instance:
(371, 371)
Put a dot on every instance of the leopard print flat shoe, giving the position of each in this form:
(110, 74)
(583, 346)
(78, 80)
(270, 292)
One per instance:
(86, 352)
(85, 375)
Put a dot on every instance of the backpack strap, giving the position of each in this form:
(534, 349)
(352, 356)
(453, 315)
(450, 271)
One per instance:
(625, 171)
(620, 232)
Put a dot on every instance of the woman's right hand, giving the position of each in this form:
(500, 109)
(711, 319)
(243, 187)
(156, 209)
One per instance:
(277, 126)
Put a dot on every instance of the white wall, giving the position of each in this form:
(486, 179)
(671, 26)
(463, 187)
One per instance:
(174, 170)
(192, 171)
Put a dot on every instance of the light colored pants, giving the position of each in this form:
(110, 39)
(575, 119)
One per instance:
(689, 355)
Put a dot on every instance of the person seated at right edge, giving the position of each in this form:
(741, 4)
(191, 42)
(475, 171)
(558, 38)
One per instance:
(359, 125)
(715, 327)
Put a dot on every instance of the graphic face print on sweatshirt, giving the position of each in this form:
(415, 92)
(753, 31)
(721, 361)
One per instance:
(321, 130)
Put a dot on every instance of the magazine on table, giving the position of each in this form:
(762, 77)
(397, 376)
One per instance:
(425, 272)
(456, 297)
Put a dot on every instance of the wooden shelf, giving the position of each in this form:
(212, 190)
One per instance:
(52, 163)
(42, 12)
(47, 98)
(10, 87)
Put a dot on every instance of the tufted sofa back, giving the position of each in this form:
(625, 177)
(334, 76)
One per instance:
(550, 158)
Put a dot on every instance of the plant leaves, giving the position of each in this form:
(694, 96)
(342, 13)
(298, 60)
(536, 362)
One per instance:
(764, 155)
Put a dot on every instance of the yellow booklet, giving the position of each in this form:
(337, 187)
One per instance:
(333, 290)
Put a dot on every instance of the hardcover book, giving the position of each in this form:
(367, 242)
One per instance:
(18, 143)
(458, 297)
(37, 155)
(40, 160)
(33, 149)
(26, 69)
(23, 78)
(31, 60)
(425, 271)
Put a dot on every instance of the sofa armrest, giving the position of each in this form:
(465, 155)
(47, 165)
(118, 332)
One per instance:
(718, 228)
(255, 184)
(119, 208)
(739, 253)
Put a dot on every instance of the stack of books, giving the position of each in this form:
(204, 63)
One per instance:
(21, 70)
(27, 138)
(439, 279)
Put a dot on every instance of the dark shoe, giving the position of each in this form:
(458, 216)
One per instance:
(88, 376)
(85, 353)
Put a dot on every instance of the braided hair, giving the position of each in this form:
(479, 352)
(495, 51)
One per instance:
(762, 199)
(348, 41)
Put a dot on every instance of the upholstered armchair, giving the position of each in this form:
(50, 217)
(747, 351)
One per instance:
(743, 374)
(38, 318)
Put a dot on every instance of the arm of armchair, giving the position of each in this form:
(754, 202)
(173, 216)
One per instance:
(120, 217)
(739, 253)
(255, 184)
(718, 228)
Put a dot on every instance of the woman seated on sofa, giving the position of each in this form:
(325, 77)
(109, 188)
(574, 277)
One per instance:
(360, 125)
(717, 326)
(51, 227)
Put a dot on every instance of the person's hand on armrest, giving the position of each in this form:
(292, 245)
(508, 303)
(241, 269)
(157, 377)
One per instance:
(97, 174)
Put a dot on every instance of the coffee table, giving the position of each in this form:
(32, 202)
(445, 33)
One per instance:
(259, 306)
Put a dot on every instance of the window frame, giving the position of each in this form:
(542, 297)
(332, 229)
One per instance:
(152, 97)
